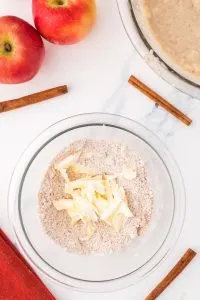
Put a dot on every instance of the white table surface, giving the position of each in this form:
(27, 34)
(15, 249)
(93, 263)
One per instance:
(96, 71)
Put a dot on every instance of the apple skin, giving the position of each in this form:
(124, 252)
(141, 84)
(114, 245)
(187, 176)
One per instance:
(64, 22)
(21, 50)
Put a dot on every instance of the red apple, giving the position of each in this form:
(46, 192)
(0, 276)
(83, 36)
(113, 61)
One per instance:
(21, 50)
(64, 21)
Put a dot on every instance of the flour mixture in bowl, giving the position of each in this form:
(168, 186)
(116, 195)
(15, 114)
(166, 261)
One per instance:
(175, 25)
(96, 197)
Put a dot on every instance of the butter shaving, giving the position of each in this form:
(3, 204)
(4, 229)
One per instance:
(67, 162)
(93, 197)
(78, 168)
(128, 173)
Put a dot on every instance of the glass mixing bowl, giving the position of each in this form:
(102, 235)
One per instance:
(143, 41)
(96, 273)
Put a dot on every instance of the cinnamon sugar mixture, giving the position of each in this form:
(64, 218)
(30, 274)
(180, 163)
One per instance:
(105, 158)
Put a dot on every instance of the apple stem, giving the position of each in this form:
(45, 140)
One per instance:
(7, 47)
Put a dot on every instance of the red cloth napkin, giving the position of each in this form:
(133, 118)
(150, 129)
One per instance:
(17, 279)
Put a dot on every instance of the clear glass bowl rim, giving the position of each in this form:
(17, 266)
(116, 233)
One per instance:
(90, 286)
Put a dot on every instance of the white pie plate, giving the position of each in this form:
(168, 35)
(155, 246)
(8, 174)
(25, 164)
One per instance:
(150, 51)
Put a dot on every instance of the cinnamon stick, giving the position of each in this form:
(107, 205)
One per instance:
(33, 98)
(159, 100)
(178, 268)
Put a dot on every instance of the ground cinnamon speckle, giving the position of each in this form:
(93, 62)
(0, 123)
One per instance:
(103, 157)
